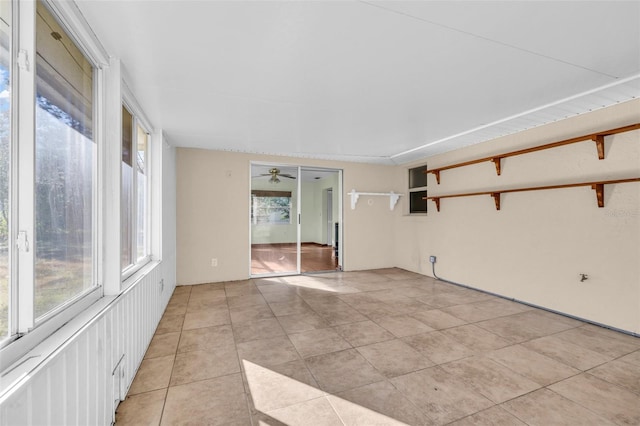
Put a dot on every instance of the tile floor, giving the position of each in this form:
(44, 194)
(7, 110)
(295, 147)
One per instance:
(381, 347)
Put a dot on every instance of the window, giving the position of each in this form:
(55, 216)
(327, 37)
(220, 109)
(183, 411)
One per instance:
(48, 187)
(142, 195)
(126, 192)
(271, 207)
(64, 167)
(5, 163)
(418, 189)
(135, 193)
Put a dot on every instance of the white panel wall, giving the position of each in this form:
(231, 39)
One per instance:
(75, 385)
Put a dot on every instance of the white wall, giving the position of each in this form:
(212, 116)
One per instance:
(311, 208)
(536, 246)
(213, 214)
(168, 236)
(330, 182)
(314, 215)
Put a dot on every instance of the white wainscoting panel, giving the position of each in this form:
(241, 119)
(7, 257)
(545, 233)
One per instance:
(76, 385)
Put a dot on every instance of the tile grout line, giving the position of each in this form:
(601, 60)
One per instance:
(247, 391)
(175, 355)
(474, 353)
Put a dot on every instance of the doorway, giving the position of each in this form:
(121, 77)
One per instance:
(294, 214)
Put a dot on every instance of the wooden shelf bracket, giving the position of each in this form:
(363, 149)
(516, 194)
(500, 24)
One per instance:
(496, 199)
(497, 162)
(599, 188)
(599, 140)
(437, 174)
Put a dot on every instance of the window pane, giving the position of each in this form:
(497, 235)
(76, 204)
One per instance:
(126, 205)
(141, 167)
(418, 177)
(416, 203)
(64, 167)
(5, 161)
(271, 209)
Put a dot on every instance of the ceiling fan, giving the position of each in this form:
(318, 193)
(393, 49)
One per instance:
(274, 173)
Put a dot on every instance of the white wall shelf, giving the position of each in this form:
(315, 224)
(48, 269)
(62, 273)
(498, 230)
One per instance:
(393, 197)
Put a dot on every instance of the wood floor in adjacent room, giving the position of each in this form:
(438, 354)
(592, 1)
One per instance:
(276, 258)
(383, 347)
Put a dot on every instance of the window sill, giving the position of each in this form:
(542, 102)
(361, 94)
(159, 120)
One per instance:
(134, 272)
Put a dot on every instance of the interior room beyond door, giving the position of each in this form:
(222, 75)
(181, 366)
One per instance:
(295, 219)
(274, 219)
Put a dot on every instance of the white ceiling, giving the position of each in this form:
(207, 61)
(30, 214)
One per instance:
(382, 82)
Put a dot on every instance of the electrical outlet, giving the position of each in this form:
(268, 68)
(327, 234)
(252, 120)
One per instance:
(162, 285)
(214, 262)
(432, 259)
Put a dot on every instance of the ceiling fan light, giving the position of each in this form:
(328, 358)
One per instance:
(274, 179)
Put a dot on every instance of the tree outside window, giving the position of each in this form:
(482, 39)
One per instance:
(270, 207)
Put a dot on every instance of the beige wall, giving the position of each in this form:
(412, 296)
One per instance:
(213, 214)
(533, 249)
(536, 246)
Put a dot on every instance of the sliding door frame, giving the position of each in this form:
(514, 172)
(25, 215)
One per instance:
(300, 169)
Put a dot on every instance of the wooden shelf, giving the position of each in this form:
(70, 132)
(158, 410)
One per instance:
(598, 138)
(597, 186)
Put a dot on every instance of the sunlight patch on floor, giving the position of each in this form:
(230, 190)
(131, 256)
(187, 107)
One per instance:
(311, 283)
(324, 285)
(294, 403)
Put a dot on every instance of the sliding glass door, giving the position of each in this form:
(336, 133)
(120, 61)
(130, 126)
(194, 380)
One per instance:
(274, 219)
(295, 219)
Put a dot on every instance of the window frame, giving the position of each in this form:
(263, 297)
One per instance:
(138, 120)
(12, 174)
(26, 331)
(259, 193)
(415, 190)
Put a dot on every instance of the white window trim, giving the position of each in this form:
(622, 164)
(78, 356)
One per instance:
(139, 119)
(133, 106)
(24, 133)
(32, 333)
(68, 14)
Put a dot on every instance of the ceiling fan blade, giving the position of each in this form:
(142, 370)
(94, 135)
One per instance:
(287, 176)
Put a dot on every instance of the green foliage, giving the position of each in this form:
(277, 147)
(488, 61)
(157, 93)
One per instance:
(274, 210)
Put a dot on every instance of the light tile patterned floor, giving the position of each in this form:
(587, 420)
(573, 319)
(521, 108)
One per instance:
(383, 347)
